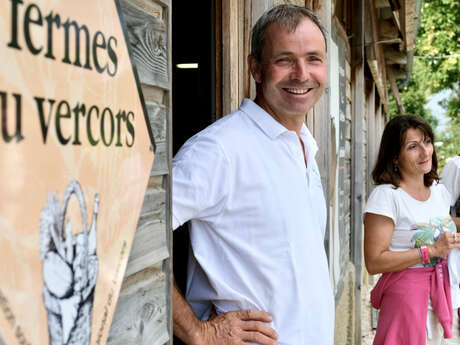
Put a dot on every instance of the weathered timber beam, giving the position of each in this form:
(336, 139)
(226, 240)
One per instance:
(395, 91)
(342, 33)
(382, 4)
(410, 16)
(393, 57)
(388, 30)
(375, 69)
(379, 56)
(398, 73)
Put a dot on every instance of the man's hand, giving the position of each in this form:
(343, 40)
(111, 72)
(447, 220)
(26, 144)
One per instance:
(237, 328)
(233, 328)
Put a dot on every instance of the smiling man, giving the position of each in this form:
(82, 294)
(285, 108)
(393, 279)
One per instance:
(250, 188)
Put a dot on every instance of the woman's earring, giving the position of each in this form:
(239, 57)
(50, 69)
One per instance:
(395, 168)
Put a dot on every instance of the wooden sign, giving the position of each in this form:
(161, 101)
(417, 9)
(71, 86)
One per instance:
(75, 158)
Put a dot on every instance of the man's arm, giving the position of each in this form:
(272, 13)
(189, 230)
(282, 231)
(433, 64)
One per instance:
(186, 324)
(233, 328)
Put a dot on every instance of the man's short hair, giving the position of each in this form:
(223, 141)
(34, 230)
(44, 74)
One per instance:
(288, 17)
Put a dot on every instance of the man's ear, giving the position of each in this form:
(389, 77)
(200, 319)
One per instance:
(255, 67)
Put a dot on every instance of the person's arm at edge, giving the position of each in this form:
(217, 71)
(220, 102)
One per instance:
(378, 231)
(457, 222)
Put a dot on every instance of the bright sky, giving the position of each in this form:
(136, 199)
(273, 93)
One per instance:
(437, 110)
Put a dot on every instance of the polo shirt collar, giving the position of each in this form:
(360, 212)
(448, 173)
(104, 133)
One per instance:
(308, 139)
(273, 128)
(264, 120)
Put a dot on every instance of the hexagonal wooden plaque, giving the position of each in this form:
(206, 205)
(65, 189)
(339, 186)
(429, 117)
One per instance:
(75, 158)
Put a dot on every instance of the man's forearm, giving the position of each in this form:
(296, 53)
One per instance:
(186, 325)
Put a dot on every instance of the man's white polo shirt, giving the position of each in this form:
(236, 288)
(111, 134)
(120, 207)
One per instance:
(450, 177)
(257, 215)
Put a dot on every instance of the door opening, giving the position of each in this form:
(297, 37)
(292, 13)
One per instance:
(193, 93)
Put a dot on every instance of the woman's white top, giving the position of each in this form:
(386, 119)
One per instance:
(416, 223)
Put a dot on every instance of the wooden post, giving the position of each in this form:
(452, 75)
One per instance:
(372, 135)
(143, 312)
(358, 93)
(321, 123)
(230, 60)
(395, 92)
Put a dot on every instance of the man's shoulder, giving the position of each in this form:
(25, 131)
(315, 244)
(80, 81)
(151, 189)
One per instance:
(234, 128)
(221, 135)
(455, 162)
(228, 123)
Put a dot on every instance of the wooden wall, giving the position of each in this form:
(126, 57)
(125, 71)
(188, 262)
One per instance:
(143, 310)
(143, 314)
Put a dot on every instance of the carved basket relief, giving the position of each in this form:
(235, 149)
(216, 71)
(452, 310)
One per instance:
(70, 268)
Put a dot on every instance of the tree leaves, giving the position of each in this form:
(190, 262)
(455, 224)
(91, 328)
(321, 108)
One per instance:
(436, 67)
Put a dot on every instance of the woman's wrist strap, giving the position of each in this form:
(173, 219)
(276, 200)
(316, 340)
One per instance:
(425, 256)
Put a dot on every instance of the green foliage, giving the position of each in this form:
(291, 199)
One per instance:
(450, 139)
(438, 36)
(415, 96)
(452, 104)
(436, 67)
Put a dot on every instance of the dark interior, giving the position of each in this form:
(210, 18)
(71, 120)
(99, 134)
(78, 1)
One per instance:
(193, 94)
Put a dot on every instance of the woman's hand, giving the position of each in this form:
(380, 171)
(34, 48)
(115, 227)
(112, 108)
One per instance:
(445, 243)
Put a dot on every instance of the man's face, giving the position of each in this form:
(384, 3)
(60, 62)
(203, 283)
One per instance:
(292, 74)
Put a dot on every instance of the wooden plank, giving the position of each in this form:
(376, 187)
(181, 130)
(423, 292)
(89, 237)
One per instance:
(153, 206)
(393, 56)
(147, 35)
(380, 67)
(396, 19)
(375, 68)
(167, 264)
(382, 3)
(155, 182)
(370, 135)
(410, 17)
(348, 70)
(160, 164)
(165, 3)
(388, 30)
(357, 153)
(153, 94)
(157, 114)
(357, 178)
(322, 123)
(141, 312)
(241, 60)
(395, 91)
(149, 7)
(230, 61)
(343, 34)
(149, 246)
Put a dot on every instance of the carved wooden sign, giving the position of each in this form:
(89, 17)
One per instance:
(75, 156)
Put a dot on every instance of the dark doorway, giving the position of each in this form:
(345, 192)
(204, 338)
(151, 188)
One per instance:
(193, 93)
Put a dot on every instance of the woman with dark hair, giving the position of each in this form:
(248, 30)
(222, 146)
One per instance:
(408, 236)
